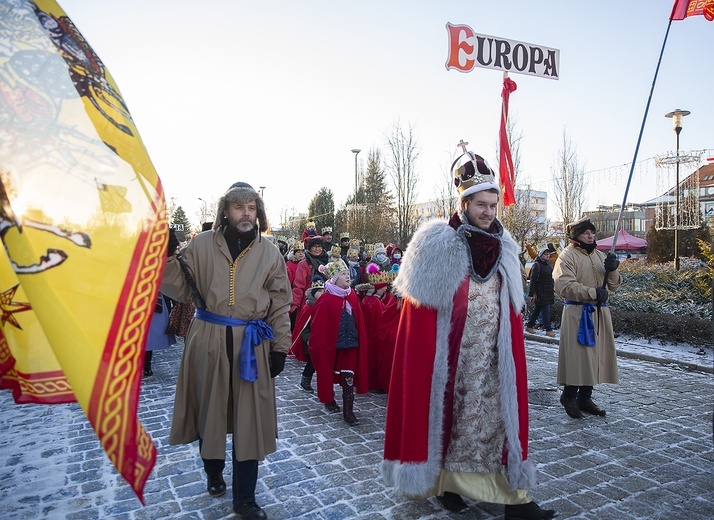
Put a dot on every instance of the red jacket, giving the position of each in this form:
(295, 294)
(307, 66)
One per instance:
(323, 343)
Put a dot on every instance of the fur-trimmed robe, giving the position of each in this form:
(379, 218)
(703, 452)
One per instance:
(433, 282)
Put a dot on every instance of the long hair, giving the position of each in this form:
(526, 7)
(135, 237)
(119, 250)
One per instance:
(240, 195)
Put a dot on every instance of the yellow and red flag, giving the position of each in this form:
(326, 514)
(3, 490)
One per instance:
(83, 224)
(685, 8)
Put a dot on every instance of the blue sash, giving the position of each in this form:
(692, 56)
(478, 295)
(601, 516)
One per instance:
(253, 335)
(586, 331)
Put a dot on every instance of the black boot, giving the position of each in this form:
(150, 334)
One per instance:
(529, 511)
(306, 384)
(585, 402)
(216, 485)
(332, 407)
(452, 502)
(147, 363)
(348, 399)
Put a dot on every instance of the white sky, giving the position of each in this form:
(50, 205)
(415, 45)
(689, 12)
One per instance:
(277, 93)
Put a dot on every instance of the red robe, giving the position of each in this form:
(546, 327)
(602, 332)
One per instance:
(434, 287)
(297, 348)
(323, 344)
(292, 271)
(388, 337)
(373, 309)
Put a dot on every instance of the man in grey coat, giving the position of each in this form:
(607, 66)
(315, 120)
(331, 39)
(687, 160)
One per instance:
(583, 276)
(235, 346)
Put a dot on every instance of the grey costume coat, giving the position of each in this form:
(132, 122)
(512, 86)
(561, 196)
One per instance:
(576, 278)
(206, 403)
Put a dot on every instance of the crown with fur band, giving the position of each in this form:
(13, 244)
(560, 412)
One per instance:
(473, 174)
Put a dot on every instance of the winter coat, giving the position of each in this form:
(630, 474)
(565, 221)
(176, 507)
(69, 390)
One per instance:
(207, 383)
(542, 285)
(575, 280)
(306, 269)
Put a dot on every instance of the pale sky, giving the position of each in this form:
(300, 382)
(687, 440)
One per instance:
(278, 93)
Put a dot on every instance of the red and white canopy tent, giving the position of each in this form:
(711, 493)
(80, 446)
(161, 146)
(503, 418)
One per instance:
(625, 242)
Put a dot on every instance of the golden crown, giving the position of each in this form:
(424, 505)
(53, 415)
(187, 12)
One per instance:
(310, 224)
(382, 277)
(335, 250)
(333, 268)
(327, 229)
(318, 284)
(298, 246)
(355, 242)
(353, 251)
(344, 235)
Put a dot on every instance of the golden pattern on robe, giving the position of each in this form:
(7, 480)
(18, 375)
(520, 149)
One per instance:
(478, 432)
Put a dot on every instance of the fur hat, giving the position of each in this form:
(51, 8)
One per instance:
(317, 284)
(379, 248)
(473, 174)
(581, 226)
(314, 241)
(240, 193)
(334, 268)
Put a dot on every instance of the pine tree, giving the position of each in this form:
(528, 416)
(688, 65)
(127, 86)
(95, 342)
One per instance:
(179, 217)
(322, 209)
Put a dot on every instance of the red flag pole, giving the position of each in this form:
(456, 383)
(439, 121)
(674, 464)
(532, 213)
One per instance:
(505, 163)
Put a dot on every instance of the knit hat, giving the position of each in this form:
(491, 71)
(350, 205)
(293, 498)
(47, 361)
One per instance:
(314, 241)
(473, 174)
(581, 226)
(543, 251)
(379, 248)
(334, 268)
(317, 284)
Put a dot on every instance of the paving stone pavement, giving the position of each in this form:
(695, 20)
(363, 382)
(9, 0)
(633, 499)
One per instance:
(651, 457)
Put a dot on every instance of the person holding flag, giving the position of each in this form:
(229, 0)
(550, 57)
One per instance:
(236, 345)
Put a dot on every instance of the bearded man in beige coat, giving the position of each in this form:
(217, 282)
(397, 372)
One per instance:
(587, 343)
(236, 345)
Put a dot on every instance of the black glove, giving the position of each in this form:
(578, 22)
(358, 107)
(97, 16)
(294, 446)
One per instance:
(277, 362)
(611, 262)
(601, 295)
(173, 243)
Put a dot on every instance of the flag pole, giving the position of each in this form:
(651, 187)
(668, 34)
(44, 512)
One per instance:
(639, 140)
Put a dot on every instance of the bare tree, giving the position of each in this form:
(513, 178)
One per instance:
(401, 161)
(568, 182)
(446, 199)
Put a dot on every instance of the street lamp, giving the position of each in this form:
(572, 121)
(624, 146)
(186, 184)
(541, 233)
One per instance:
(356, 151)
(676, 117)
(204, 211)
(261, 190)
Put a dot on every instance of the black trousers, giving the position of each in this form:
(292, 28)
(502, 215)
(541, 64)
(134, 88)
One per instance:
(245, 472)
(580, 392)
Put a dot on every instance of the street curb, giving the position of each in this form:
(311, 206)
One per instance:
(709, 369)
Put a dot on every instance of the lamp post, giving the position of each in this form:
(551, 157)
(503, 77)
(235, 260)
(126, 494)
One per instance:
(261, 188)
(676, 117)
(204, 211)
(356, 151)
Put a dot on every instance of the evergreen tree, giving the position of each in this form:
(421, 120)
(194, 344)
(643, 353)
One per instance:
(179, 217)
(379, 201)
(322, 209)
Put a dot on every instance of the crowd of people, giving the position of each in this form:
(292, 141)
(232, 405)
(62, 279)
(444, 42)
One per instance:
(437, 326)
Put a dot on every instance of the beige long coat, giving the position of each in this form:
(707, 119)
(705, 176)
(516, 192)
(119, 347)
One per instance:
(206, 404)
(576, 275)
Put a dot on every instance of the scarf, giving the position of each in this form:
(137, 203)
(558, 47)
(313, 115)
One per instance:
(340, 292)
(589, 248)
(237, 240)
(484, 246)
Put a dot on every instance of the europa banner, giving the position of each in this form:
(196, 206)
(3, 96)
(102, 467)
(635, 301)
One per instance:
(84, 229)
(468, 49)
